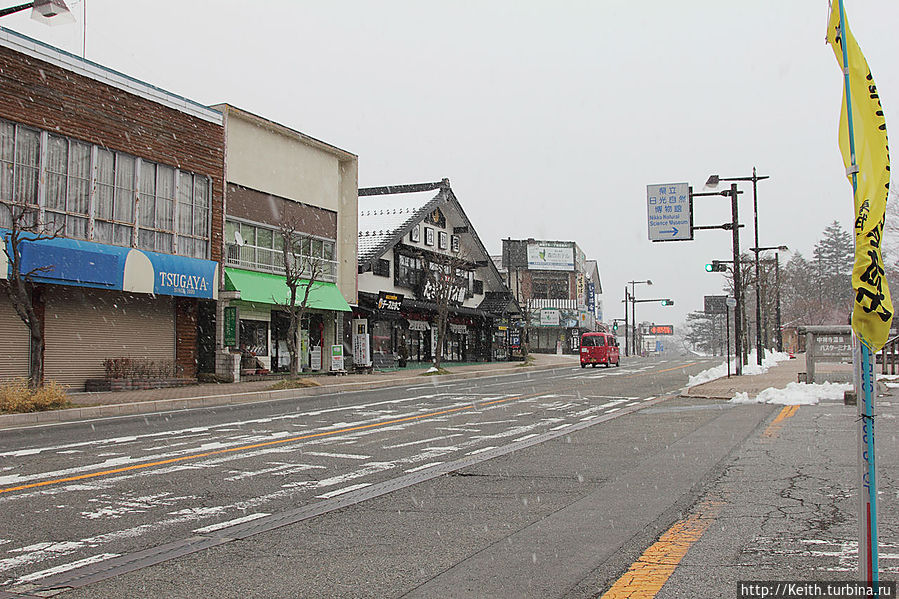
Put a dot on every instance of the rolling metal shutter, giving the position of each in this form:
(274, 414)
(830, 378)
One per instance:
(84, 327)
(14, 342)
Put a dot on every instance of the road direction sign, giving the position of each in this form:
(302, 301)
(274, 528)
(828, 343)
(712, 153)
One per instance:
(669, 210)
(716, 304)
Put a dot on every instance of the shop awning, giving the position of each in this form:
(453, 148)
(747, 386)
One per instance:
(419, 325)
(266, 288)
(87, 264)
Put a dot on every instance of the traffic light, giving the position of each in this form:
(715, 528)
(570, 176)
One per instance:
(716, 266)
(667, 302)
(614, 326)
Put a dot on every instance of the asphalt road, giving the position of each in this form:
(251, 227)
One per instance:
(528, 485)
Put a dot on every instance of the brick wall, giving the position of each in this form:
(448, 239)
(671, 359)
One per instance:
(36, 93)
(186, 314)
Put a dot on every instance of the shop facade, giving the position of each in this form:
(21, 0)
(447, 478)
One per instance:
(405, 233)
(560, 289)
(127, 180)
(283, 185)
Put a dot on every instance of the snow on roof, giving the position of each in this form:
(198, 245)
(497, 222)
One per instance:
(382, 216)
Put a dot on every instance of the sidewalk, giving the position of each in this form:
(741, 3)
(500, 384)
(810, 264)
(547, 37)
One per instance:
(120, 403)
(777, 376)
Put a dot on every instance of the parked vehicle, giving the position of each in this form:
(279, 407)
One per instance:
(599, 348)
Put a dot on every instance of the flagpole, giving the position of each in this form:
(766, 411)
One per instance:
(867, 547)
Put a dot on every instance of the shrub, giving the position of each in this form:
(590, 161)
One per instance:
(16, 397)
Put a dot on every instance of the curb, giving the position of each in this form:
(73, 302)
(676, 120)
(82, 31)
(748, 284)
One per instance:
(227, 399)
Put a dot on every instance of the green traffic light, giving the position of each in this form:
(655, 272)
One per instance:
(709, 268)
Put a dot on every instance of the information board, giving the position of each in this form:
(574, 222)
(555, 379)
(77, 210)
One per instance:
(669, 209)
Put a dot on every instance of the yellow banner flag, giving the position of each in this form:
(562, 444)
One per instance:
(872, 310)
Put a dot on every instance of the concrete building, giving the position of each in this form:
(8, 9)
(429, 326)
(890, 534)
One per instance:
(558, 287)
(277, 176)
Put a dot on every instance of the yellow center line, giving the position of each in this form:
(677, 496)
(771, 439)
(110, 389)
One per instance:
(195, 456)
(774, 428)
(651, 571)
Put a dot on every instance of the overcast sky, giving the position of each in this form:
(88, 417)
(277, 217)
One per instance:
(549, 118)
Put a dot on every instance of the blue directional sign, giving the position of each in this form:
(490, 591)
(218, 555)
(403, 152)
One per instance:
(669, 212)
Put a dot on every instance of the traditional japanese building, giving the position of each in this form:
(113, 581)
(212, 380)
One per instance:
(406, 231)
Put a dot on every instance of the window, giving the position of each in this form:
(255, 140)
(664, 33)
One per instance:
(261, 248)
(429, 236)
(67, 200)
(441, 240)
(550, 289)
(415, 234)
(408, 271)
(254, 337)
(478, 287)
(381, 268)
(132, 202)
(454, 243)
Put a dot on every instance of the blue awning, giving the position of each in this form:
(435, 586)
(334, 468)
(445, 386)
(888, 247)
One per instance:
(88, 264)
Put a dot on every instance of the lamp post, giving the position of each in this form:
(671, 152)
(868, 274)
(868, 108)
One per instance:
(51, 12)
(633, 284)
(734, 227)
(776, 249)
(755, 178)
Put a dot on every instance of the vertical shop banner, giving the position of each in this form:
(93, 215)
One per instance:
(230, 317)
(867, 160)
(361, 343)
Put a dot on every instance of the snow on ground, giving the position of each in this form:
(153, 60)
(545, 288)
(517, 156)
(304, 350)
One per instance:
(793, 395)
(796, 394)
(750, 368)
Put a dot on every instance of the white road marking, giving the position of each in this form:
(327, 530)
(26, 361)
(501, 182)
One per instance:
(343, 490)
(422, 441)
(422, 467)
(481, 450)
(65, 567)
(348, 456)
(230, 523)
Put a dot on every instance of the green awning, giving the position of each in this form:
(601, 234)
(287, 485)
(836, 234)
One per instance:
(265, 288)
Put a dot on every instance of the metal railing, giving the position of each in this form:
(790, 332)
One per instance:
(271, 262)
(889, 356)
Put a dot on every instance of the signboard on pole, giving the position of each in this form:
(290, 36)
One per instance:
(230, 326)
(661, 329)
(337, 357)
(716, 304)
(669, 212)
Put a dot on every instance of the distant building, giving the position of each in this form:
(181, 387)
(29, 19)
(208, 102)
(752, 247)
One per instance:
(402, 228)
(558, 288)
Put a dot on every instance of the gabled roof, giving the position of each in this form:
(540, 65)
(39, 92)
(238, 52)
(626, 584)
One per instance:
(387, 214)
(386, 218)
(499, 302)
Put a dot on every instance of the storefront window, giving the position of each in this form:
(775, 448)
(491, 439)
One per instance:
(254, 337)
(381, 338)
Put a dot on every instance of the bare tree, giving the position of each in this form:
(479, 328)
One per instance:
(25, 226)
(302, 272)
(444, 282)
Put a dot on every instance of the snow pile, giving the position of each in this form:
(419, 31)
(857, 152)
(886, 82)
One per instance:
(750, 368)
(796, 394)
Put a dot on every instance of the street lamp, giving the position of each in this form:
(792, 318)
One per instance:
(633, 313)
(776, 249)
(755, 178)
(49, 12)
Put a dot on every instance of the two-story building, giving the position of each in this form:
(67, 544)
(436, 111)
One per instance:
(404, 231)
(278, 177)
(128, 180)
